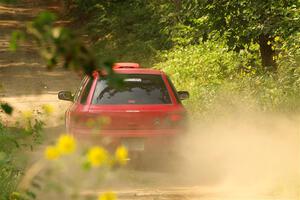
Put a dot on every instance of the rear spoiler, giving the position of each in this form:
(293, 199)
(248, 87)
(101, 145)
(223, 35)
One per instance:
(118, 66)
(126, 66)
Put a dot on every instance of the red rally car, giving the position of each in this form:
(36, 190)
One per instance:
(145, 113)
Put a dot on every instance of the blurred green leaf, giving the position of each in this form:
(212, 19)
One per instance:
(14, 40)
(6, 108)
(44, 18)
(86, 165)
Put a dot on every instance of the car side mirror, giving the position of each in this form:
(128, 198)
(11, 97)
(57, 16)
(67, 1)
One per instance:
(183, 95)
(65, 95)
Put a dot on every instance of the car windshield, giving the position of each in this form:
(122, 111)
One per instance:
(137, 89)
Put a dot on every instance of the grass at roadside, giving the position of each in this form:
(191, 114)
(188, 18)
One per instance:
(14, 143)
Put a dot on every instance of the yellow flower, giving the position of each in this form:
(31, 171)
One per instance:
(108, 196)
(48, 109)
(51, 153)
(66, 144)
(27, 114)
(56, 32)
(97, 156)
(121, 155)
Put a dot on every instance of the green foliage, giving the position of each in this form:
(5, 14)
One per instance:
(132, 33)
(288, 51)
(201, 70)
(13, 143)
(9, 1)
(135, 29)
(58, 43)
(6, 108)
(244, 22)
(211, 48)
(15, 39)
(61, 44)
(219, 79)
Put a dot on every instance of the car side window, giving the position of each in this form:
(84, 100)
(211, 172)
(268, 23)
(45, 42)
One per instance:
(173, 90)
(86, 91)
(79, 90)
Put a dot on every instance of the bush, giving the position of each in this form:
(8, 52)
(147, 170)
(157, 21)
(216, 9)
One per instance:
(221, 79)
(201, 70)
(14, 141)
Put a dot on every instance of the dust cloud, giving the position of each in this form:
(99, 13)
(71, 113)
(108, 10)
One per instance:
(242, 155)
(244, 152)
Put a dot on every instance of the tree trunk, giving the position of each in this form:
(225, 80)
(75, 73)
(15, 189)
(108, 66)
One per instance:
(267, 53)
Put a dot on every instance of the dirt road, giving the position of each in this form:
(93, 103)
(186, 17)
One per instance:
(26, 84)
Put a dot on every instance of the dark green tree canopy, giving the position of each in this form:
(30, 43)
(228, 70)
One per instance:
(161, 24)
(243, 22)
